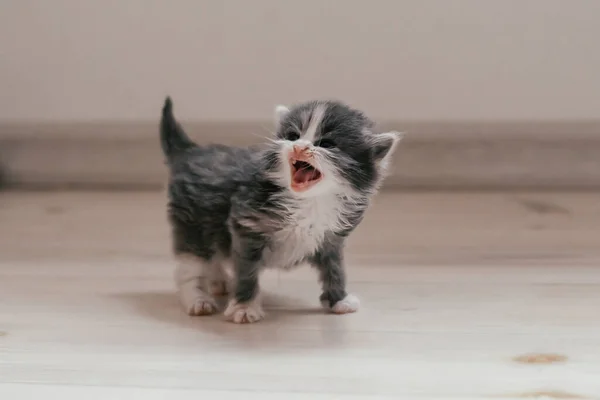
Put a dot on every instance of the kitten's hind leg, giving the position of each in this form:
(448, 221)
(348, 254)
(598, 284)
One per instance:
(190, 278)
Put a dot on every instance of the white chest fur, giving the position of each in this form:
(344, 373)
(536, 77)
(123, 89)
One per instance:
(310, 220)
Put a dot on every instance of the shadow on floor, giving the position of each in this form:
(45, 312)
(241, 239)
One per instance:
(284, 314)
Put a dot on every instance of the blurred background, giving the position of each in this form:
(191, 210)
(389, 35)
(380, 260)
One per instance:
(68, 60)
(491, 93)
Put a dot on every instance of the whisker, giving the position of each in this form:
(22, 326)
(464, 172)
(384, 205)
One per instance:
(295, 127)
(268, 130)
(264, 137)
(319, 165)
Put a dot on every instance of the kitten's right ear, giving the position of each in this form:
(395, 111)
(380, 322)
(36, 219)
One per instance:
(280, 113)
(383, 146)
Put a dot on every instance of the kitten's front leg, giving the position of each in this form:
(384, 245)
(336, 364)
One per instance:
(245, 305)
(329, 261)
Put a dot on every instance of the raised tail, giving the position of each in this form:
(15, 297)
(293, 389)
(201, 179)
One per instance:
(173, 139)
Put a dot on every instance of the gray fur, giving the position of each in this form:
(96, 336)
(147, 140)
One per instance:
(329, 261)
(234, 203)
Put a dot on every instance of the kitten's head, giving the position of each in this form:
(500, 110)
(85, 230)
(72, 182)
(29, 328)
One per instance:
(324, 146)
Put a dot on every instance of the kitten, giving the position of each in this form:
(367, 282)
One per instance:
(294, 201)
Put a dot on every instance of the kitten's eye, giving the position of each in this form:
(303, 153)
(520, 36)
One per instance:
(326, 143)
(293, 136)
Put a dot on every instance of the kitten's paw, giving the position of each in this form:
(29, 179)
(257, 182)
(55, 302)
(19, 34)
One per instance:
(218, 288)
(201, 305)
(244, 313)
(348, 304)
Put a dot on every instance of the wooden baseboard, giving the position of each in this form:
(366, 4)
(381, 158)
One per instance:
(433, 155)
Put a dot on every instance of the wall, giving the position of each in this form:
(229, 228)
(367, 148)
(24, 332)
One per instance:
(224, 59)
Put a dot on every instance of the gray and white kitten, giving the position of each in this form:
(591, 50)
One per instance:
(293, 201)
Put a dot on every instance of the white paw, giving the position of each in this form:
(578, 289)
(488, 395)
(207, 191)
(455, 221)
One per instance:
(348, 304)
(244, 313)
(201, 305)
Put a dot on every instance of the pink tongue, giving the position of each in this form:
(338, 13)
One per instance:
(303, 175)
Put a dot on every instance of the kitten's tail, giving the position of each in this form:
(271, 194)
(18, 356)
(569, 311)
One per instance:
(173, 139)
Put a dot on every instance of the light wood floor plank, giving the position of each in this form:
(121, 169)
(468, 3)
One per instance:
(464, 296)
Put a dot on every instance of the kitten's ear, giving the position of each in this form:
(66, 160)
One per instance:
(383, 146)
(280, 113)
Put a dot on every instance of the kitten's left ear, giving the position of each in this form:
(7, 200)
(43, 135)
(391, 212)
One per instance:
(280, 113)
(383, 146)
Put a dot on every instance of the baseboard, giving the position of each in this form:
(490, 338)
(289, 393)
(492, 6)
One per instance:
(433, 155)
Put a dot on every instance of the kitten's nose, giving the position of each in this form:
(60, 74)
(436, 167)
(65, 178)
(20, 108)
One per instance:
(301, 148)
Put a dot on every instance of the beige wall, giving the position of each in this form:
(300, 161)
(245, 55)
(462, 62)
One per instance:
(225, 59)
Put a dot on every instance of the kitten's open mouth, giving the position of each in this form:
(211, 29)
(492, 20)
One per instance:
(304, 174)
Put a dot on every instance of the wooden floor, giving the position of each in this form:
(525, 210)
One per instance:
(465, 296)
